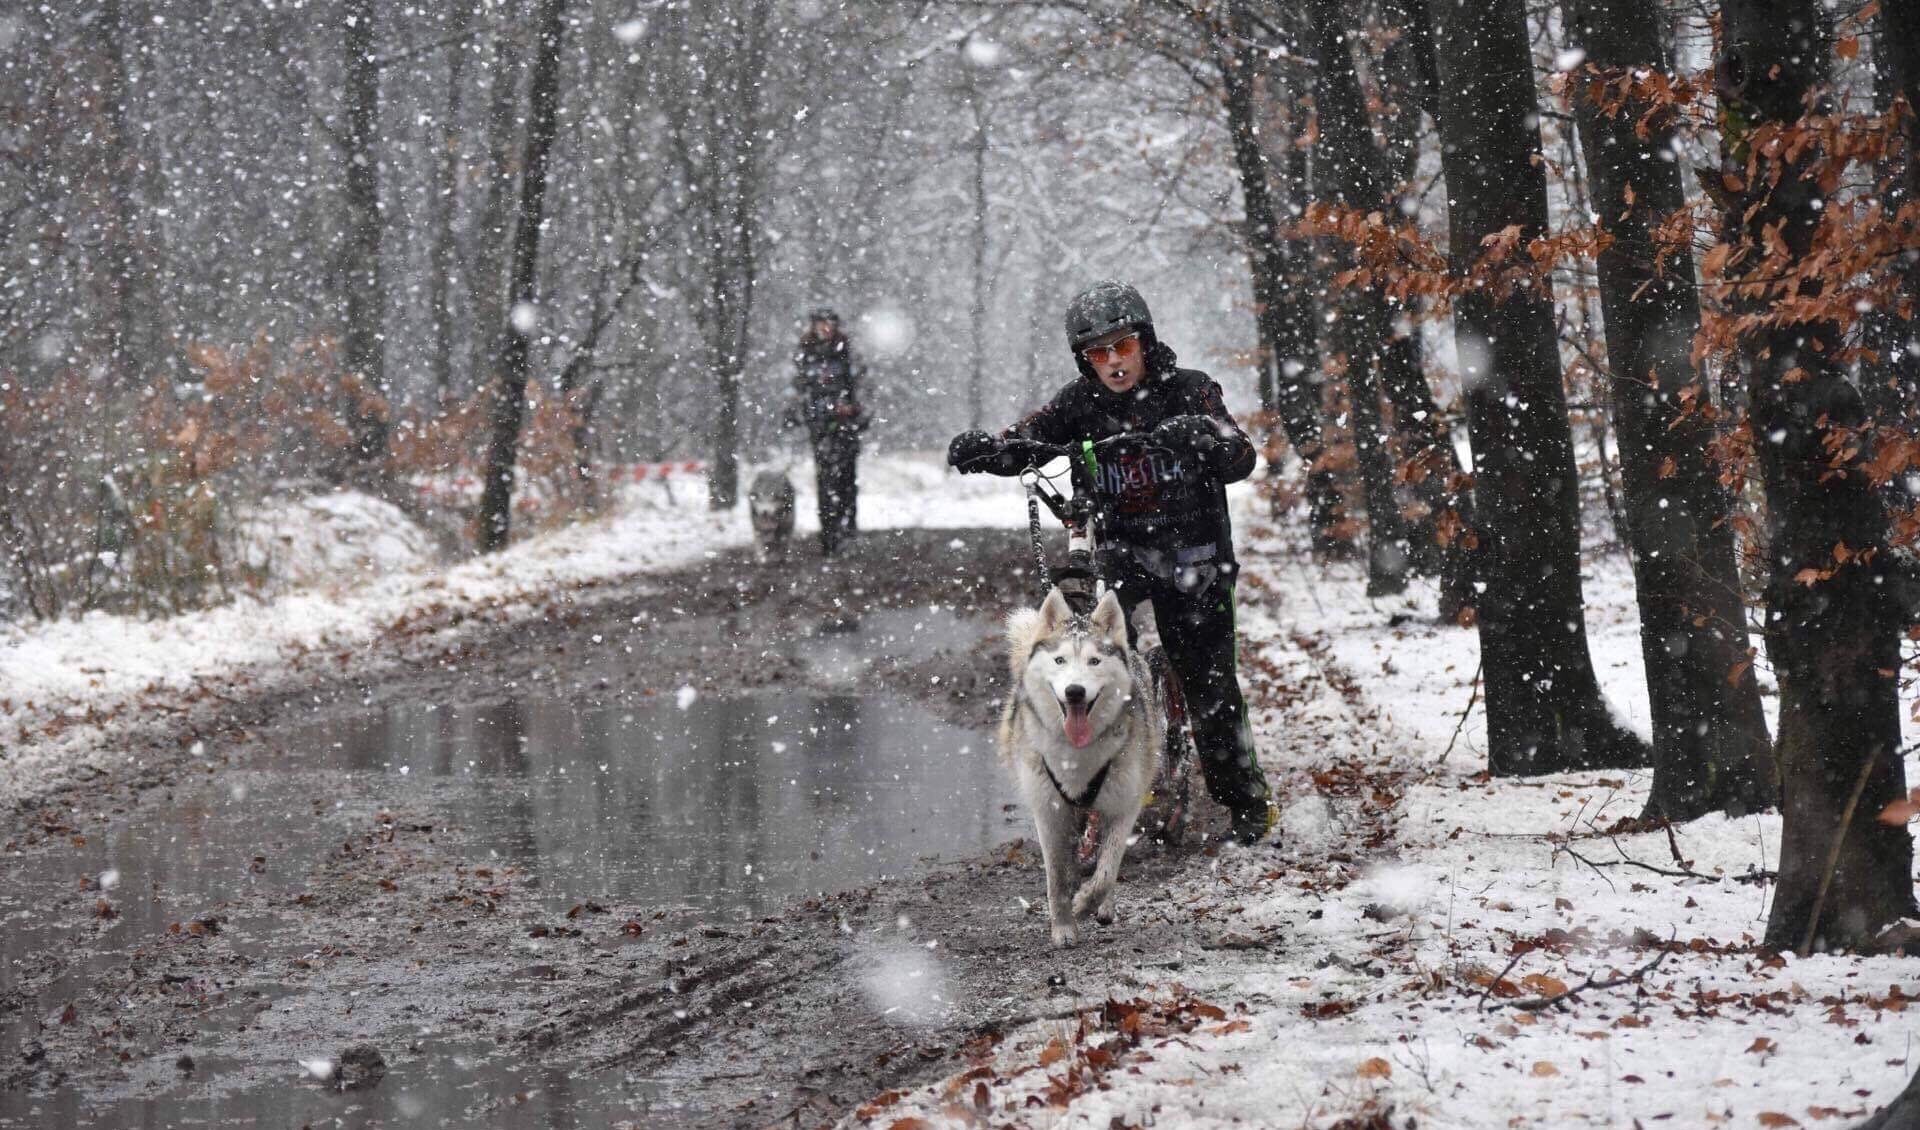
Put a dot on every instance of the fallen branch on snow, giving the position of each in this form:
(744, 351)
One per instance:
(1535, 1004)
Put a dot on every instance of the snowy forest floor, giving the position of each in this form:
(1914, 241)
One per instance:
(1381, 961)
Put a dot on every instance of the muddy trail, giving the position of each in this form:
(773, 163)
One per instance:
(724, 847)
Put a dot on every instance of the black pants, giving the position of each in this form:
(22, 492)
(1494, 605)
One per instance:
(835, 453)
(1197, 631)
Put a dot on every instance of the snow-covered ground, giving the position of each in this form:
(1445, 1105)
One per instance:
(1379, 959)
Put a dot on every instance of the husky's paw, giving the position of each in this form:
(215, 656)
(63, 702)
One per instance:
(1065, 935)
(1094, 900)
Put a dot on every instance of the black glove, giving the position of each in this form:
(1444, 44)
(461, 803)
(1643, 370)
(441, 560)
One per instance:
(972, 451)
(1197, 434)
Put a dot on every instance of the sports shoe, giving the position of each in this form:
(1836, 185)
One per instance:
(1251, 825)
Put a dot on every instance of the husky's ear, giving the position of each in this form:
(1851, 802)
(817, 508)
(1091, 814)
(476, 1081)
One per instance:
(1023, 633)
(1108, 621)
(1055, 613)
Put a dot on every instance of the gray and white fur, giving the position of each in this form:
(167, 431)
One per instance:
(770, 507)
(1082, 733)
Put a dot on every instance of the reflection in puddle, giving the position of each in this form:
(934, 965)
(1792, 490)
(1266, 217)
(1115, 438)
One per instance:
(733, 805)
(729, 805)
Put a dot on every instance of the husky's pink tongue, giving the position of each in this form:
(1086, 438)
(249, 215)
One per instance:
(1079, 725)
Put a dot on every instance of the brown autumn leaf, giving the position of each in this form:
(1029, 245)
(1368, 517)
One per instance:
(1542, 1069)
(909, 1124)
(1054, 1052)
(1763, 1045)
(872, 1107)
(1897, 813)
(1543, 985)
(1847, 48)
(1375, 1068)
(1775, 1118)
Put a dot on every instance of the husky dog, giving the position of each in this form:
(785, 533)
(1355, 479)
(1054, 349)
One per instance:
(1082, 733)
(770, 505)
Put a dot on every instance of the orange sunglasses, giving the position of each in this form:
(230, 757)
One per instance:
(1102, 354)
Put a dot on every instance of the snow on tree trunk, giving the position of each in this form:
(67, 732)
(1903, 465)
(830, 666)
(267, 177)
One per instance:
(1544, 709)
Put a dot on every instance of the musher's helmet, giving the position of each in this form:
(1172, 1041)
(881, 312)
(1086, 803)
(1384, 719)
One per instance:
(1103, 308)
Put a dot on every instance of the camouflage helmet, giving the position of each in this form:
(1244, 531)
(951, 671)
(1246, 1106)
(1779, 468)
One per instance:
(1103, 308)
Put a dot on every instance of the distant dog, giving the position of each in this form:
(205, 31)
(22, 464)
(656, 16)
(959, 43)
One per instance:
(1082, 732)
(770, 506)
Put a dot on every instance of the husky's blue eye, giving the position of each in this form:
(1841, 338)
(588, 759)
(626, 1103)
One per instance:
(1094, 662)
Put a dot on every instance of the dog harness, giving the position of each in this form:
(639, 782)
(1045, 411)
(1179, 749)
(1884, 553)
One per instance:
(1093, 787)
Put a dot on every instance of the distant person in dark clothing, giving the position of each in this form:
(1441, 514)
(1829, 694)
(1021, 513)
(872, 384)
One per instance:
(827, 399)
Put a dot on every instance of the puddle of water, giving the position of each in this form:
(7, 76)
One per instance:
(730, 805)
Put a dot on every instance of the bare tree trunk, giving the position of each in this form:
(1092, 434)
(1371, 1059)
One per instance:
(1408, 80)
(1344, 171)
(440, 273)
(510, 398)
(1290, 372)
(488, 280)
(364, 343)
(732, 172)
(1834, 640)
(126, 347)
(1891, 380)
(1544, 709)
(1710, 745)
(978, 315)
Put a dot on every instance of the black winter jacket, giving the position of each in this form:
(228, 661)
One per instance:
(1160, 520)
(825, 378)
